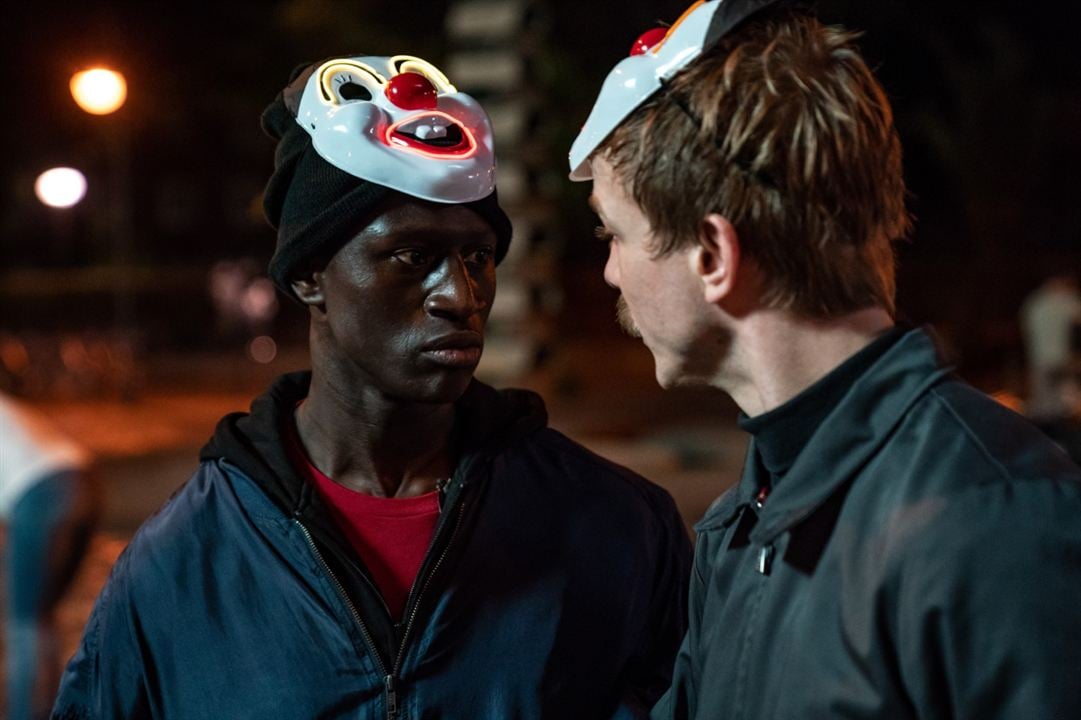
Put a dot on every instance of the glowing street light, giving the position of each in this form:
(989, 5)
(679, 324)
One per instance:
(60, 187)
(99, 91)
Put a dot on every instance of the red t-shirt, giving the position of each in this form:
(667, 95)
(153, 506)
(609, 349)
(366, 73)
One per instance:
(391, 535)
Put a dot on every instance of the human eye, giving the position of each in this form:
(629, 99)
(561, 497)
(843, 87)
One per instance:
(481, 257)
(603, 234)
(412, 257)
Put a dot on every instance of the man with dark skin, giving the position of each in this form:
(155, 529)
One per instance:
(419, 277)
(384, 536)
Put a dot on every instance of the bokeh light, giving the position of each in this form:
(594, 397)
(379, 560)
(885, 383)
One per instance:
(14, 356)
(60, 187)
(99, 91)
(263, 349)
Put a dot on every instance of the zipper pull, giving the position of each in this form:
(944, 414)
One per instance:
(761, 497)
(392, 697)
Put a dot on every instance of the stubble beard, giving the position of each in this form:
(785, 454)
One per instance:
(623, 317)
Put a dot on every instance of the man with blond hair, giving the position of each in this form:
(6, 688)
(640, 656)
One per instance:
(899, 545)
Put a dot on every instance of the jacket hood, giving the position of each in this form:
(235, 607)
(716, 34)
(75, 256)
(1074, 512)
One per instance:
(488, 421)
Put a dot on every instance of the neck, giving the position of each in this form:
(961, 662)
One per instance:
(776, 356)
(374, 444)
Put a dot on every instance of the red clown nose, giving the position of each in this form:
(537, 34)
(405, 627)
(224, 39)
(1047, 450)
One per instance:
(647, 40)
(412, 91)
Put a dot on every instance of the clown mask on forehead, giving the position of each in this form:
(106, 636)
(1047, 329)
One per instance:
(655, 58)
(398, 122)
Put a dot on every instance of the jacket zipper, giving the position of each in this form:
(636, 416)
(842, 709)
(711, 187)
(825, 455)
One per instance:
(388, 679)
(391, 679)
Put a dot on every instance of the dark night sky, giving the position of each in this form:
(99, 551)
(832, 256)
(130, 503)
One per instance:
(987, 96)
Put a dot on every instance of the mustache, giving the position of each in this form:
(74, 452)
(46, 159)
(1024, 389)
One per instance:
(623, 317)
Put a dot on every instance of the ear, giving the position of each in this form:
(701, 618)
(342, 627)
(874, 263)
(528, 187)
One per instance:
(308, 289)
(716, 257)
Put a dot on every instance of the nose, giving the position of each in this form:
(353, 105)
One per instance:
(611, 267)
(456, 295)
(412, 91)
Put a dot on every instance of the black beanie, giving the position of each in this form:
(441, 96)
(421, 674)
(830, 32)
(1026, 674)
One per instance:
(316, 207)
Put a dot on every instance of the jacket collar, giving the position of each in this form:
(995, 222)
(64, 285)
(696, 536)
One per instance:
(487, 421)
(846, 440)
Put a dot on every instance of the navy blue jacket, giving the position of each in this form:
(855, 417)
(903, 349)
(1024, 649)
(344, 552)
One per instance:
(920, 560)
(554, 588)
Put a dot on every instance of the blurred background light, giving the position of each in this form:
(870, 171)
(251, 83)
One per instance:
(99, 91)
(60, 187)
(263, 349)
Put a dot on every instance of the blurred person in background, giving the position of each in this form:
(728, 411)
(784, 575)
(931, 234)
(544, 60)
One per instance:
(1064, 426)
(1051, 325)
(384, 536)
(899, 544)
(47, 509)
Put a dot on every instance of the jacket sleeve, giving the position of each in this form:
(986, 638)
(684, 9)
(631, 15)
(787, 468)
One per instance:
(989, 626)
(649, 672)
(678, 702)
(105, 678)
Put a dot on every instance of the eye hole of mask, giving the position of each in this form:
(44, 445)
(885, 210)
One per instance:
(347, 81)
(353, 91)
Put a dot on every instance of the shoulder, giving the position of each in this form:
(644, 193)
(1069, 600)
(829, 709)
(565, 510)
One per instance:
(986, 595)
(144, 581)
(197, 519)
(560, 474)
(987, 499)
(567, 461)
(180, 570)
(996, 444)
(550, 495)
(976, 527)
(958, 472)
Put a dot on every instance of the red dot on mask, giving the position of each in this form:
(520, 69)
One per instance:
(412, 91)
(648, 40)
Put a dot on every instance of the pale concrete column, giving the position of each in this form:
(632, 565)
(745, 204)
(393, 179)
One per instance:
(491, 45)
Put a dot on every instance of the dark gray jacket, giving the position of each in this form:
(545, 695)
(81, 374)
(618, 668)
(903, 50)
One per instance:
(921, 559)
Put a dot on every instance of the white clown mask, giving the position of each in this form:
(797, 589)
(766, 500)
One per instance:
(655, 58)
(398, 122)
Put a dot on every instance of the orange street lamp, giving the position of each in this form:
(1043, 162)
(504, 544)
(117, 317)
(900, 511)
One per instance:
(99, 91)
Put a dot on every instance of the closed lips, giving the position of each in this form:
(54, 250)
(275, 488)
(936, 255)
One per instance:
(458, 341)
